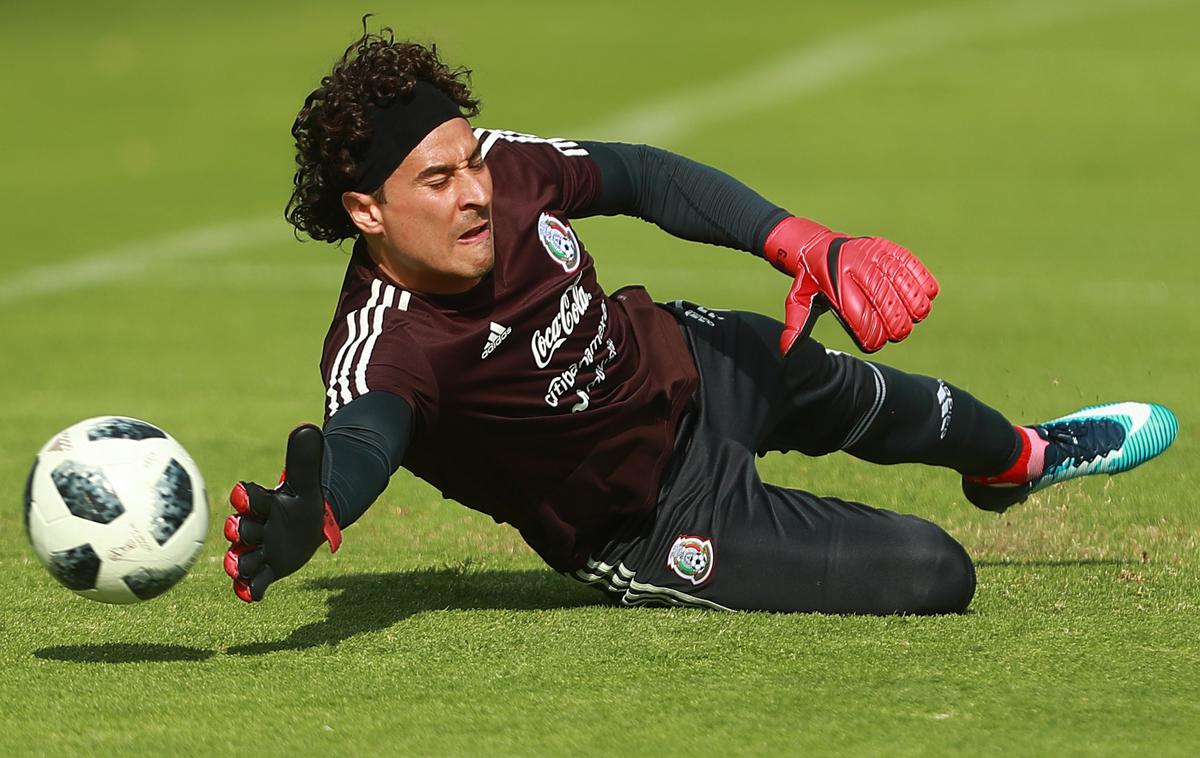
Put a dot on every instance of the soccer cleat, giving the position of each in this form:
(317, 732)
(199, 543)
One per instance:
(1101, 439)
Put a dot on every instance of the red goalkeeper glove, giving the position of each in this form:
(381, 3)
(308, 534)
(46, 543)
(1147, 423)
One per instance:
(875, 288)
(275, 532)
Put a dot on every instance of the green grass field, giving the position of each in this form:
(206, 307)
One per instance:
(1041, 157)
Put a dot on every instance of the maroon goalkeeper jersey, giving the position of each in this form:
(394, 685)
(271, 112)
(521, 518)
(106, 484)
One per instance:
(539, 399)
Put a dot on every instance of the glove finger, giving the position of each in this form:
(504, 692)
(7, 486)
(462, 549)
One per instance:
(870, 334)
(231, 559)
(914, 266)
(244, 529)
(306, 447)
(900, 258)
(252, 590)
(250, 498)
(889, 302)
(241, 588)
(861, 315)
(258, 585)
(894, 316)
(243, 561)
(800, 311)
(883, 281)
(911, 291)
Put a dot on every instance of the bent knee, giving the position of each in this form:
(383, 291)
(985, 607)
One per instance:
(943, 579)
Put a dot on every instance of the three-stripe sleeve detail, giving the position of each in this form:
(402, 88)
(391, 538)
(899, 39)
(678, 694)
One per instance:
(363, 328)
(360, 373)
(489, 137)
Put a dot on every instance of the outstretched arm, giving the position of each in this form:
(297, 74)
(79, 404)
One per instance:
(876, 288)
(364, 445)
(685, 198)
(331, 477)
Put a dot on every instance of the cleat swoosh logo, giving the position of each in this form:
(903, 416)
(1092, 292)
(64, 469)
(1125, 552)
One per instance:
(1136, 416)
(1133, 416)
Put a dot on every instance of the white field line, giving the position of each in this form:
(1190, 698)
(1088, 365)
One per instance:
(785, 79)
(832, 61)
(129, 260)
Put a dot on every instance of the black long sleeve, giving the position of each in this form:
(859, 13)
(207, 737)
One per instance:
(685, 198)
(364, 445)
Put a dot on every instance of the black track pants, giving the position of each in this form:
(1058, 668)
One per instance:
(721, 538)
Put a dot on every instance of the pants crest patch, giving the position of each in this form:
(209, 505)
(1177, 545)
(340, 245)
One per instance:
(692, 558)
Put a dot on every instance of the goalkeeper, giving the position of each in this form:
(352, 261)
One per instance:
(472, 345)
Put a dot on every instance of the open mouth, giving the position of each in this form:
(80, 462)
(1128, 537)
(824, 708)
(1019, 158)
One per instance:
(475, 233)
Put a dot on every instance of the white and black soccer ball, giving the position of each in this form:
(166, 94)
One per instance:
(116, 509)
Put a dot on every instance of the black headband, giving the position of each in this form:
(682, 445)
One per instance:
(400, 127)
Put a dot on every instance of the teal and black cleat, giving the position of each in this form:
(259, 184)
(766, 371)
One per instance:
(1101, 439)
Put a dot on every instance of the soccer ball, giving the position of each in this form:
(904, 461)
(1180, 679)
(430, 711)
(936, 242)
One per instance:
(116, 509)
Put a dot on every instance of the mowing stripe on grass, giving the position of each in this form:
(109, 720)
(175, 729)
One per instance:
(815, 68)
(799, 73)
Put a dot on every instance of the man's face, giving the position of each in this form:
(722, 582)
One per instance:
(436, 218)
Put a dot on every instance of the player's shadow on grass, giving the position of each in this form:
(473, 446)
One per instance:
(122, 652)
(364, 603)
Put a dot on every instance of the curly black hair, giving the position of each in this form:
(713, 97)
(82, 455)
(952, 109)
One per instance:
(332, 131)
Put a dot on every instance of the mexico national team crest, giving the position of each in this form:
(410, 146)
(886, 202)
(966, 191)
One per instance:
(559, 241)
(692, 558)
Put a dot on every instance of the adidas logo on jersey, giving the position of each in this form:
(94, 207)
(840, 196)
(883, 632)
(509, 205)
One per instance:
(496, 335)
